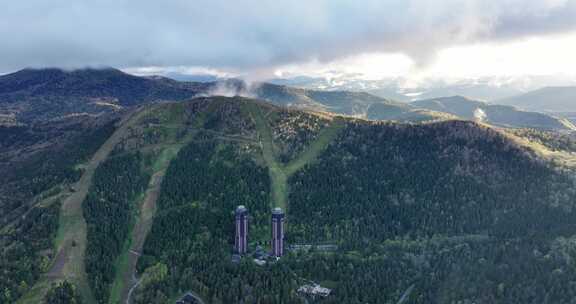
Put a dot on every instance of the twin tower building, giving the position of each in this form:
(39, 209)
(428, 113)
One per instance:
(241, 236)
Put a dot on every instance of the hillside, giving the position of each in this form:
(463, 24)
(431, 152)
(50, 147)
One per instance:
(38, 157)
(437, 212)
(30, 96)
(484, 88)
(438, 90)
(357, 104)
(497, 115)
(364, 105)
(350, 103)
(40, 164)
(43, 94)
(472, 174)
(549, 99)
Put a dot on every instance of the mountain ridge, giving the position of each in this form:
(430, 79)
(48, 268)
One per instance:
(434, 189)
(42, 94)
(548, 99)
(498, 115)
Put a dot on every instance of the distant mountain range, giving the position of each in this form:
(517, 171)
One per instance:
(47, 94)
(549, 99)
(359, 104)
(406, 89)
(498, 115)
(44, 94)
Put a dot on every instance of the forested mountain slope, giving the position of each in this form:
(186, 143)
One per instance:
(549, 99)
(42, 94)
(36, 157)
(359, 104)
(497, 115)
(444, 207)
(444, 212)
(32, 95)
(40, 163)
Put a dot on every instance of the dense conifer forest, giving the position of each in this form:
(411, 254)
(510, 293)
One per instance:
(63, 293)
(29, 208)
(26, 251)
(108, 211)
(454, 209)
(192, 233)
(57, 165)
(444, 212)
(293, 131)
(379, 182)
(414, 210)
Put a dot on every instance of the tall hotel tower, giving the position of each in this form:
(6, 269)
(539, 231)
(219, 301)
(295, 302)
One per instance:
(277, 232)
(241, 238)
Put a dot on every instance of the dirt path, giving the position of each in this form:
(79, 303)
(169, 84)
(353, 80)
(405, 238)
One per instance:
(406, 294)
(7, 223)
(131, 291)
(138, 236)
(278, 178)
(71, 235)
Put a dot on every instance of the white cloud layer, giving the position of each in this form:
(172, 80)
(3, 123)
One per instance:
(261, 35)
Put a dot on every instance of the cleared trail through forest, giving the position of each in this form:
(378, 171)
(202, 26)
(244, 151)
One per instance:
(126, 282)
(127, 276)
(71, 236)
(279, 172)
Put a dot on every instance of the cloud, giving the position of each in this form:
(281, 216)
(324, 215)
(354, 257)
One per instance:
(232, 88)
(258, 34)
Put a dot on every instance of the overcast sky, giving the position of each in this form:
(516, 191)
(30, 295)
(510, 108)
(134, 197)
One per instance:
(260, 38)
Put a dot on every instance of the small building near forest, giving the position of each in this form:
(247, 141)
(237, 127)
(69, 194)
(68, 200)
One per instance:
(188, 298)
(314, 290)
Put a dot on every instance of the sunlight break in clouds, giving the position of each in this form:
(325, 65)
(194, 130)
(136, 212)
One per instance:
(255, 37)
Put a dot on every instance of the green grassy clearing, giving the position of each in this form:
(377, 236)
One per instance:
(173, 121)
(278, 178)
(309, 155)
(122, 264)
(70, 241)
(280, 173)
